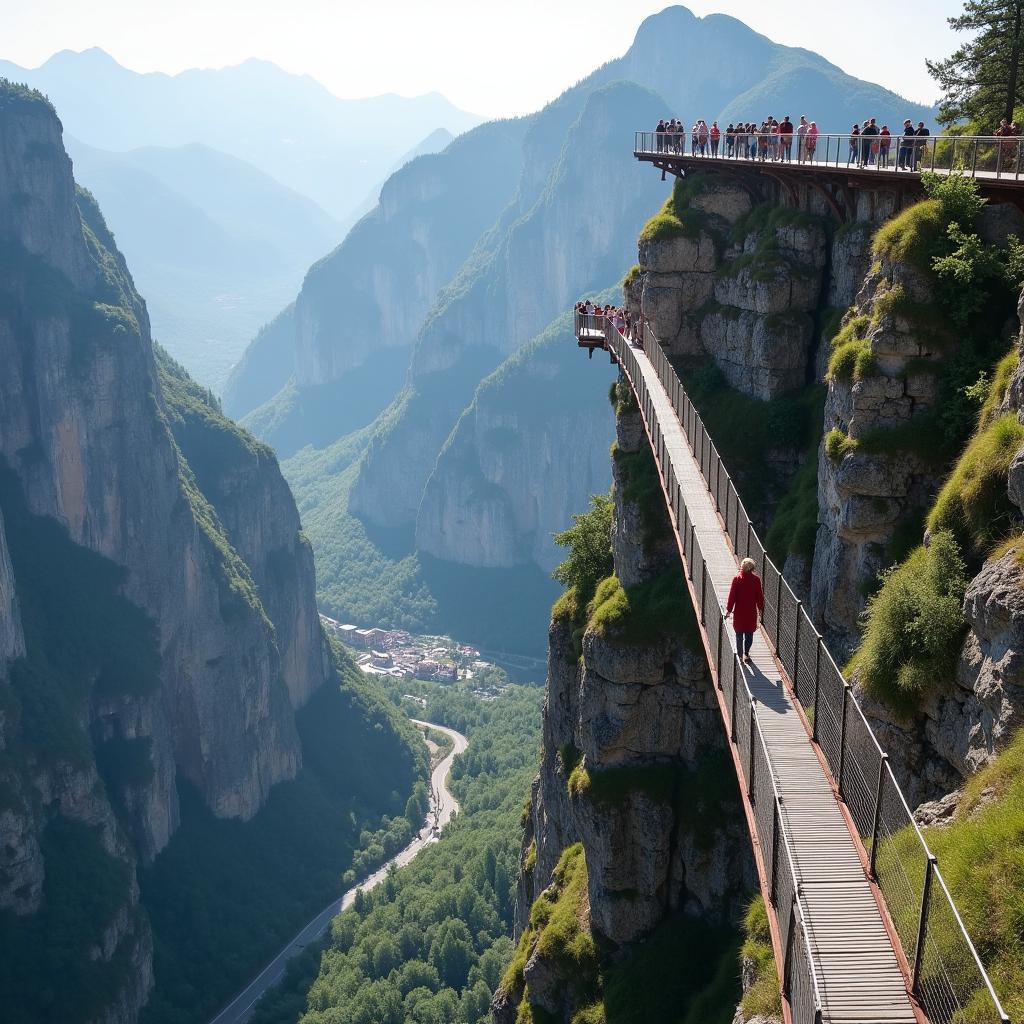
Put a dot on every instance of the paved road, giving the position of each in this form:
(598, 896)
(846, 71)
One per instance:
(442, 806)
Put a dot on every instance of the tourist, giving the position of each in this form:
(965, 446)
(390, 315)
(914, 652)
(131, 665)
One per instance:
(869, 142)
(812, 140)
(854, 155)
(884, 142)
(906, 154)
(786, 138)
(659, 134)
(715, 135)
(773, 138)
(746, 602)
(730, 140)
(693, 139)
(702, 137)
(921, 145)
(801, 139)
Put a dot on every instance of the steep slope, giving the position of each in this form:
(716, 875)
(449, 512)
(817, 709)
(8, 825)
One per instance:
(216, 245)
(363, 303)
(574, 238)
(158, 632)
(289, 126)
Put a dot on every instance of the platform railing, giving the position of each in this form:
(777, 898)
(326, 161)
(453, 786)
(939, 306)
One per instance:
(986, 156)
(947, 975)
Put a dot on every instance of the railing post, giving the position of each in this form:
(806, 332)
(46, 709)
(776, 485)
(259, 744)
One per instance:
(922, 925)
(788, 948)
(775, 850)
(817, 682)
(842, 736)
(796, 651)
(703, 583)
(718, 653)
(750, 768)
(737, 675)
(728, 491)
(750, 529)
(778, 611)
(877, 819)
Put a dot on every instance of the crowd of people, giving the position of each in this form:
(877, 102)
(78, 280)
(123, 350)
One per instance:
(626, 323)
(868, 144)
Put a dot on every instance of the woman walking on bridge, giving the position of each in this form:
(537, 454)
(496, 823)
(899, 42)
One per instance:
(746, 602)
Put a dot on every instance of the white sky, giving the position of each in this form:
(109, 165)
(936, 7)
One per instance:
(493, 58)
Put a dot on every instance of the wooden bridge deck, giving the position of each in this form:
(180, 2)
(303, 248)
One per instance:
(859, 975)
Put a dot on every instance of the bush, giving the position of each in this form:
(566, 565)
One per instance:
(676, 219)
(763, 998)
(913, 626)
(913, 235)
(590, 556)
(645, 612)
(973, 504)
(957, 195)
(838, 445)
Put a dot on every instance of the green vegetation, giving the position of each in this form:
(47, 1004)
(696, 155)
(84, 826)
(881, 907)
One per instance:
(745, 429)
(45, 973)
(851, 357)
(589, 560)
(982, 80)
(763, 998)
(225, 895)
(973, 504)
(677, 219)
(631, 275)
(14, 95)
(431, 943)
(641, 486)
(838, 444)
(766, 261)
(912, 235)
(794, 526)
(646, 612)
(684, 972)
(913, 626)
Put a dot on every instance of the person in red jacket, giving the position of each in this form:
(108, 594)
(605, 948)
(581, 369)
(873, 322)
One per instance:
(746, 599)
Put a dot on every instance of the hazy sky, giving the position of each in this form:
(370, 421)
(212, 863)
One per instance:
(489, 57)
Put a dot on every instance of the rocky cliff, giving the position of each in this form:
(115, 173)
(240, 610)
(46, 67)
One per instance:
(633, 768)
(157, 614)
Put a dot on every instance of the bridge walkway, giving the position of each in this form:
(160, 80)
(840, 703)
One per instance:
(858, 972)
(863, 925)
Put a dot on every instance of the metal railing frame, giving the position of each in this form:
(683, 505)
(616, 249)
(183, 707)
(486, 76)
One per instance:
(845, 763)
(1000, 158)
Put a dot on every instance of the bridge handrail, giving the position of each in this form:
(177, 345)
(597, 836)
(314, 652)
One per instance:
(1001, 156)
(947, 974)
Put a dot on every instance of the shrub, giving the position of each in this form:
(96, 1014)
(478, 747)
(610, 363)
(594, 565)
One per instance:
(762, 999)
(838, 445)
(590, 555)
(957, 195)
(645, 612)
(913, 625)
(973, 504)
(676, 219)
(912, 235)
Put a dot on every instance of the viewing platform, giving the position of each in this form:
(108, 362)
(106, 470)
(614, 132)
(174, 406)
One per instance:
(847, 161)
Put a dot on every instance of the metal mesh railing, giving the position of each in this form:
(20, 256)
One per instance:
(1000, 158)
(947, 975)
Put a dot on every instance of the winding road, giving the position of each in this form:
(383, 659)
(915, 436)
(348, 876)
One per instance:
(442, 806)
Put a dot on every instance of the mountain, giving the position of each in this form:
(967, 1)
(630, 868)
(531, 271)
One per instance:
(216, 245)
(168, 693)
(289, 126)
(567, 228)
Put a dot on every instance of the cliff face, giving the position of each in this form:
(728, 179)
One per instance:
(633, 767)
(156, 597)
(540, 264)
(530, 446)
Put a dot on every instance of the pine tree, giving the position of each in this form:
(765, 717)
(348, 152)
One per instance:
(983, 80)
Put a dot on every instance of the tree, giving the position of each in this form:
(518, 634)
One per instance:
(983, 80)
(590, 548)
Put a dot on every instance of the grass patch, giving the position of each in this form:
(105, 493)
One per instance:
(838, 445)
(762, 998)
(794, 526)
(913, 626)
(631, 275)
(913, 235)
(646, 612)
(676, 219)
(973, 504)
